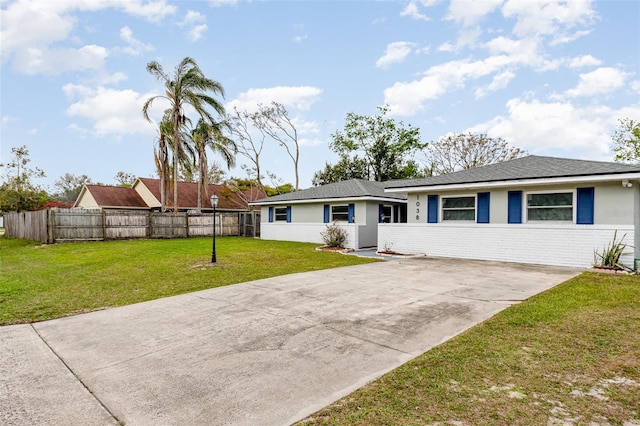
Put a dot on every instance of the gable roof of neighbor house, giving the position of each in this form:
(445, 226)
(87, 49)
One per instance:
(188, 195)
(528, 170)
(113, 196)
(347, 189)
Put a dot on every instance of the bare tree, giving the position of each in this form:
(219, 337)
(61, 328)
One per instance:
(274, 121)
(460, 151)
(249, 142)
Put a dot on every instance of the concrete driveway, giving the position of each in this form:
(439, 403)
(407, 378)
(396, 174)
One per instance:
(267, 352)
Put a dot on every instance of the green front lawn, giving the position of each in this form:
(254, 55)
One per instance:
(568, 356)
(39, 282)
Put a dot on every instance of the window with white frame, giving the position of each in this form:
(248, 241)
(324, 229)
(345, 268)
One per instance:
(459, 208)
(281, 214)
(550, 206)
(340, 213)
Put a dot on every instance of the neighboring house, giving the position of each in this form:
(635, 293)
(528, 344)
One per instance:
(356, 205)
(145, 194)
(540, 210)
(110, 198)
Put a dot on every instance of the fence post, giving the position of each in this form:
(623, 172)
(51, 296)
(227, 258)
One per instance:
(51, 231)
(104, 225)
(148, 225)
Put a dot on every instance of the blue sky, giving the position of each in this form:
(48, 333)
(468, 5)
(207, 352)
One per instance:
(550, 77)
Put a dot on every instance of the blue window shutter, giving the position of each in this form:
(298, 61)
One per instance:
(584, 211)
(380, 213)
(432, 209)
(270, 214)
(483, 207)
(515, 207)
(351, 214)
(288, 214)
(327, 213)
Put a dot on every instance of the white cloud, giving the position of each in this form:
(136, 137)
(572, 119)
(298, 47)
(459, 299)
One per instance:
(603, 80)
(500, 81)
(548, 17)
(30, 28)
(56, 61)
(466, 37)
(407, 98)
(154, 11)
(222, 3)
(196, 22)
(6, 119)
(470, 12)
(584, 61)
(395, 52)
(135, 47)
(299, 97)
(412, 10)
(193, 17)
(197, 32)
(111, 111)
(546, 128)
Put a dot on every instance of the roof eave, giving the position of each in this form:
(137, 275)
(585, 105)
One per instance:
(520, 182)
(328, 200)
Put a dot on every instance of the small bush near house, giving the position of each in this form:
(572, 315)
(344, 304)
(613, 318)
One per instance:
(610, 256)
(334, 236)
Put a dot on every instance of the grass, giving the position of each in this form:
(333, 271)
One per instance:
(40, 282)
(569, 356)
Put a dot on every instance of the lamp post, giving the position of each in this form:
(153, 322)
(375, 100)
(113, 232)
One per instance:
(214, 204)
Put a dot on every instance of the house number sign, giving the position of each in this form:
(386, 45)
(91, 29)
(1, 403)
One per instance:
(418, 207)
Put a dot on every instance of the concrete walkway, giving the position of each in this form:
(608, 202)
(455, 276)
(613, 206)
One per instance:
(267, 352)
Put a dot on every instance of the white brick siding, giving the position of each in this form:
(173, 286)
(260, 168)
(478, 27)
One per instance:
(562, 245)
(305, 232)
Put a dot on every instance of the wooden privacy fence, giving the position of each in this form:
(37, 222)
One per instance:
(67, 225)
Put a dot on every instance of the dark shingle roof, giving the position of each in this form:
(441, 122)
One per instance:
(530, 167)
(116, 196)
(354, 188)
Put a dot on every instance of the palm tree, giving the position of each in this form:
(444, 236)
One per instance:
(161, 157)
(186, 86)
(210, 135)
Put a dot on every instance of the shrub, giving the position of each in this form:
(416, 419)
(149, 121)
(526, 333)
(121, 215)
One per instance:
(610, 256)
(334, 236)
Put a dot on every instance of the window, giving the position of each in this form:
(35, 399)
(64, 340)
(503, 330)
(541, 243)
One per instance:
(281, 214)
(557, 206)
(459, 208)
(340, 213)
(386, 213)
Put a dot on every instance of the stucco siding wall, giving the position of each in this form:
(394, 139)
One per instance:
(307, 213)
(614, 204)
(562, 245)
(305, 232)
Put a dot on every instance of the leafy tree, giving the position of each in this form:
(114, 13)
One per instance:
(460, 151)
(18, 192)
(69, 187)
(125, 179)
(346, 168)
(384, 145)
(216, 174)
(186, 86)
(626, 141)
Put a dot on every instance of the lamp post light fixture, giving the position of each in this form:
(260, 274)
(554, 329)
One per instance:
(214, 203)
